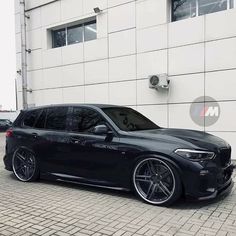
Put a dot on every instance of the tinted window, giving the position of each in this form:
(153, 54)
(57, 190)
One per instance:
(90, 31)
(182, 9)
(75, 34)
(58, 38)
(41, 120)
(209, 6)
(84, 120)
(56, 118)
(128, 119)
(2, 122)
(30, 118)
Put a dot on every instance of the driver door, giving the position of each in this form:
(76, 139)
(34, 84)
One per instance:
(93, 157)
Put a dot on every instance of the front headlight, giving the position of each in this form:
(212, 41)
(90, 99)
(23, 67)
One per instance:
(195, 155)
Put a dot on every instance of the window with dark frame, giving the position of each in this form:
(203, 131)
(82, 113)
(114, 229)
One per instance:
(84, 120)
(90, 31)
(30, 118)
(40, 123)
(74, 34)
(56, 118)
(58, 38)
(183, 9)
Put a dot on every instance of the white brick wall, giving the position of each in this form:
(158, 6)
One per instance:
(135, 39)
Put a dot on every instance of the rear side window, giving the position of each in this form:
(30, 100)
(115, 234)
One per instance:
(30, 118)
(56, 118)
(3, 122)
(41, 120)
(84, 120)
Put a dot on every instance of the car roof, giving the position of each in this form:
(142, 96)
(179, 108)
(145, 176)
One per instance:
(101, 106)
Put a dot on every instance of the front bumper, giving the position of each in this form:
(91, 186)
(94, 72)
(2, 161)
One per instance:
(211, 182)
(224, 190)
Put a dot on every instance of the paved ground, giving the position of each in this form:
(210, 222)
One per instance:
(49, 208)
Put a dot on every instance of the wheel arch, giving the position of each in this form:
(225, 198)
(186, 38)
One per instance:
(161, 156)
(26, 148)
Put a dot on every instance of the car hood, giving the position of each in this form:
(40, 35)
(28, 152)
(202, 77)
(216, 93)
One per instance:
(183, 137)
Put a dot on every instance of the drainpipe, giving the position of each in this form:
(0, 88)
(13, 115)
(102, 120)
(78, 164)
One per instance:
(23, 54)
(16, 95)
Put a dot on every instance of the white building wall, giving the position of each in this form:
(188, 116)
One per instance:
(10, 115)
(135, 39)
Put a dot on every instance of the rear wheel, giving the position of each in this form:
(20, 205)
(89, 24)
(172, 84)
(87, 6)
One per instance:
(25, 165)
(156, 182)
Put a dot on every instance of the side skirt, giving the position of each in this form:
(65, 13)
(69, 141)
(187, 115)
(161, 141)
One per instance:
(82, 181)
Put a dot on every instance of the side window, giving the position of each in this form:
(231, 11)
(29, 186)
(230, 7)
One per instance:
(84, 120)
(59, 38)
(90, 31)
(30, 118)
(183, 9)
(56, 118)
(40, 124)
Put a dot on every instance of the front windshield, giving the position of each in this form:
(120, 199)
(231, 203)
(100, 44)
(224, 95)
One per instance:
(128, 119)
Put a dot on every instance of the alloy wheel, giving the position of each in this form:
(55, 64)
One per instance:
(154, 181)
(24, 165)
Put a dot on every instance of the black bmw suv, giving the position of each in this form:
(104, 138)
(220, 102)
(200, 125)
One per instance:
(117, 147)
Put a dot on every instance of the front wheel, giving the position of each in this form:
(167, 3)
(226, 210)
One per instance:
(25, 165)
(156, 182)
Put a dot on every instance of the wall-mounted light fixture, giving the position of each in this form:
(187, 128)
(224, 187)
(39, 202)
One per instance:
(97, 10)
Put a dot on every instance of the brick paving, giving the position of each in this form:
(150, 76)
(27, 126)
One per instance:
(51, 208)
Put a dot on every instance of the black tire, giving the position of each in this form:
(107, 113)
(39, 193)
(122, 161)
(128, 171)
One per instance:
(156, 182)
(25, 165)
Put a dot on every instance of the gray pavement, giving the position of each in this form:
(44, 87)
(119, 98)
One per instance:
(51, 208)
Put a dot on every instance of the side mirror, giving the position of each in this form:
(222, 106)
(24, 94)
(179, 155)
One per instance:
(100, 129)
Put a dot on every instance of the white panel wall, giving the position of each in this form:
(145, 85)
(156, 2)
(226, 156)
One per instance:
(122, 68)
(147, 13)
(180, 57)
(221, 85)
(73, 75)
(187, 31)
(221, 54)
(95, 50)
(97, 93)
(122, 43)
(150, 63)
(157, 34)
(123, 93)
(72, 54)
(135, 39)
(51, 13)
(71, 8)
(52, 57)
(127, 20)
(220, 25)
(96, 72)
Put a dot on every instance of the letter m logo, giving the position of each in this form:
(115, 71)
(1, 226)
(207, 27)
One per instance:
(212, 111)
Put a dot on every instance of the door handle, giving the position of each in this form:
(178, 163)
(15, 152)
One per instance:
(75, 140)
(35, 135)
